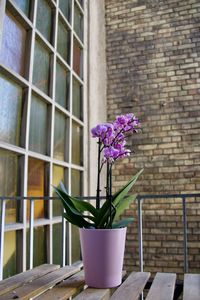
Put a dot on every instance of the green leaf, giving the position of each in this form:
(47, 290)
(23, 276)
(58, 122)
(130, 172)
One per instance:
(67, 201)
(102, 213)
(71, 214)
(122, 223)
(108, 221)
(118, 197)
(80, 204)
(124, 190)
(123, 204)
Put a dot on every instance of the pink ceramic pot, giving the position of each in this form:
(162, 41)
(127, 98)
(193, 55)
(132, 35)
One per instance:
(103, 255)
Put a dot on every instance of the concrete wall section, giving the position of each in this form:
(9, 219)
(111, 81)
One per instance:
(97, 106)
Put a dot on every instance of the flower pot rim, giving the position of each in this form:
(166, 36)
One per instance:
(103, 229)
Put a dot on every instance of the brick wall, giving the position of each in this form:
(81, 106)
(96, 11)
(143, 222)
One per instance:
(153, 70)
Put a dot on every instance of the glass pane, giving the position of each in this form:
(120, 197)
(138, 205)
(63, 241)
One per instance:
(10, 107)
(60, 134)
(9, 258)
(8, 182)
(36, 181)
(23, 5)
(58, 176)
(63, 45)
(65, 6)
(77, 59)
(75, 244)
(77, 144)
(78, 22)
(77, 106)
(39, 246)
(38, 126)
(41, 68)
(13, 44)
(62, 86)
(57, 243)
(44, 19)
(76, 187)
(76, 182)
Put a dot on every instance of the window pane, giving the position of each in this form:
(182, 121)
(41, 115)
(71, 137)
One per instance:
(78, 22)
(11, 106)
(13, 44)
(60, 134)
(39, 246)
(62, 86)
(77, 59)
(23, 5)
(8, 182)
(65, 6)
(77, 106)
(44, 19)
(36, 180)
(58, 176)
(75, 244)
(38, 126)
(9, 258)
(76, 187)
(63, 45)
(76, 182)
(57, 243)
(77, 144)
(41, 68)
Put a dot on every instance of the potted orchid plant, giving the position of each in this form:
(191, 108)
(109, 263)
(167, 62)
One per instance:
(102, 233)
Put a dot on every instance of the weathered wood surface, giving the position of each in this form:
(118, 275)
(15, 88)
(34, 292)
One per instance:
(13, 282)
(49, 282)
(191, 289)
(162, 287)
(65, 289)
(40, 285)
(94, 294)
(132, 287)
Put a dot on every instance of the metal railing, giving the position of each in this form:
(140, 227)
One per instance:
(184, 198)
(140, 199)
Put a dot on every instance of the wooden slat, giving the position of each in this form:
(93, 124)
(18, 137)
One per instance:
(162, 287)
(65, 289)
(132, 287)
(191, 289)
(15, 281)
(94, 294)
(42, 284)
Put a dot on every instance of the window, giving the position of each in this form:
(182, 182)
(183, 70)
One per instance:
(41, 124)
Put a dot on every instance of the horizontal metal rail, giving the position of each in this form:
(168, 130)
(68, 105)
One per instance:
(140, 199)
(183, 197)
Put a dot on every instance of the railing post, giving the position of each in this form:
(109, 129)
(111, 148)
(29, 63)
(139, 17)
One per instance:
(63, 262)
(31, 233)
(185, 243)
(2, 225)
(140, 239)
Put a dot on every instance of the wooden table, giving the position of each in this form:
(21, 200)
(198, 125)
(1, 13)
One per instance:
(52, 282)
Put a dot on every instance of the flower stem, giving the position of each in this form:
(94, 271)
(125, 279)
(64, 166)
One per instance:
(98, 176)
(109, 191)
(110, 194)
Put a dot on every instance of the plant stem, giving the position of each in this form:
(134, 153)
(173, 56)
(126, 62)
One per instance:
(109, 191)
(98, 176)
